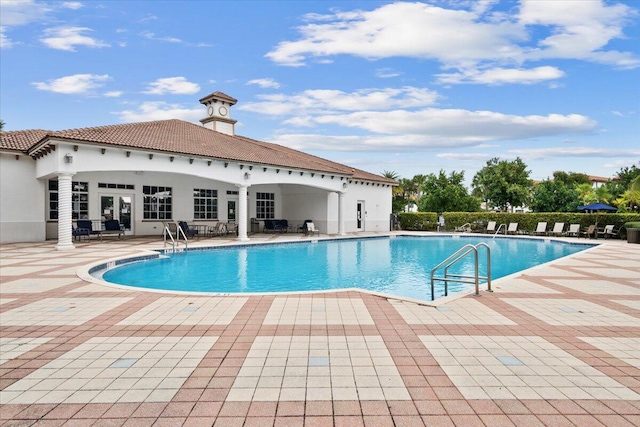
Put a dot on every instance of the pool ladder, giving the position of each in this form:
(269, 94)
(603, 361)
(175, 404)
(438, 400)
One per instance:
(174, 240)
(456, 257)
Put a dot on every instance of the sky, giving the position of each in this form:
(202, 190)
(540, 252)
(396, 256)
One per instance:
(408, 87)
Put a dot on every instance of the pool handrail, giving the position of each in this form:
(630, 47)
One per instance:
(461, 278)
(167, 231)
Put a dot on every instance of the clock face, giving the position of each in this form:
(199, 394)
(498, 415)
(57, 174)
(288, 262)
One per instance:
(210, 111)
(222, 111)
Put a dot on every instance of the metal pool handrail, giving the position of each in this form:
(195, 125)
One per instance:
(462, 278)
(179, 230)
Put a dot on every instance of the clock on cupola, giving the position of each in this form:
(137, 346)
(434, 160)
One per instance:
(218, 107)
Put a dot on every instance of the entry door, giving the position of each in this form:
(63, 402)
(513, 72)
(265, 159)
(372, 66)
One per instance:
(118, 207)
(231, 210)
(360, 215)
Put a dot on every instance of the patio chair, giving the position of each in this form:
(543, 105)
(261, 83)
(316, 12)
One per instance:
(491, 227)
(311, 229)
(558, 229)
(271, 226)
(302, 228)
(608, 231)
(112, 226)
(220, 229)
(541, 229)
(79, 233)
(284, 225)
(513, 228)
(232, 227)
(589, 232)
(573, 231)
(86, 225)
(188, 231)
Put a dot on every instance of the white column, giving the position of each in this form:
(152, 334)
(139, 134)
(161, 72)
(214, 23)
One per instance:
(242, 213)
(341, 231)
(64, 212)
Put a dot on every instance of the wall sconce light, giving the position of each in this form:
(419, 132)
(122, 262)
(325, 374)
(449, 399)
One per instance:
(241, 167)
(247, 175)
(68, 158)
(250, 168)
(264, 169)
(226, 164)
(289, 172)
(171, 158)
(150, 156)
(301, 173)
(344, 185)
(75, 148)
(103, 150)
(277, 170)
(128, 153)
(190, 161)
(208, 162)
(312, 175)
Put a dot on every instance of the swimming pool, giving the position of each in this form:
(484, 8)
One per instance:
(393, 265)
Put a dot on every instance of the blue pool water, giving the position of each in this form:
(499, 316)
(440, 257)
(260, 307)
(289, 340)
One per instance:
(399, 266)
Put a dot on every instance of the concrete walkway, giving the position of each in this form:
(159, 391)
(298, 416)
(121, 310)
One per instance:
(558, 345)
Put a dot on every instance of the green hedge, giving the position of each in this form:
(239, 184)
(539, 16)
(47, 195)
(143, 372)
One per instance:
(527, 222)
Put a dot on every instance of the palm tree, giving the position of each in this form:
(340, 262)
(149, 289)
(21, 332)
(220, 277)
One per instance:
(391, 174)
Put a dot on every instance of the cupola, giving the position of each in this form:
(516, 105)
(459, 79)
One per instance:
(218, 107)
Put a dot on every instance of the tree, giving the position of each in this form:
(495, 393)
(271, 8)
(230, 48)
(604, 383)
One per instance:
(503, 184)
(1, 125)
(571, 179)
(554, 196)
(391, 175)
(397, 201)
(444, 193)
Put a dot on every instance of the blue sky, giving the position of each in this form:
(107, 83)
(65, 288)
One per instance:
(411, 87)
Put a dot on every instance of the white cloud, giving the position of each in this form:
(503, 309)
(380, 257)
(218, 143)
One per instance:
(151, 36)
(172, 85)
(426, 129)
(555, 152)
(464, 156)
(477, 38)
(323, 100)
(77, 84)
(497, 76)
(5, 42)
(67, 38)
(265, 83)
(21, 12)
(386, 73)
(159, 111)
(74, 5)
(113, 94)
(579, 32)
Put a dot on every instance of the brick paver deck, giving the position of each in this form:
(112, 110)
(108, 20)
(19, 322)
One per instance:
(558, 345)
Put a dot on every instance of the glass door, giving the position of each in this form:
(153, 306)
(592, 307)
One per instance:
(118, 207)
(231, 210)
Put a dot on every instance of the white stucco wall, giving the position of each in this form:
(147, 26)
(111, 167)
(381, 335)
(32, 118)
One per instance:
(22, 209)
(377, 206)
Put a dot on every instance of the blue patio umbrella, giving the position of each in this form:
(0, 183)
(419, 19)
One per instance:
(597, 207)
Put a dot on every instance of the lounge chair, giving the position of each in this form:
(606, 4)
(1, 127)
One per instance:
(491, 227)
(541, 229)
(466, 228)
(558, 229)
(513, 228)
(311, 229)
(574, 230)
(188, 231)
(608, 232)
(284, 225)
(590, 232)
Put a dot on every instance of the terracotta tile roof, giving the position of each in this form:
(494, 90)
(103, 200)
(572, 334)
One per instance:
(180, 137)
(220, 95)
(21, 140)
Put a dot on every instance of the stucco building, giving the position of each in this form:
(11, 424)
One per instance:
(145, 173)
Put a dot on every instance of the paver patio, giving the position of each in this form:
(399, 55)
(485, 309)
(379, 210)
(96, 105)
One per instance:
(558, 345)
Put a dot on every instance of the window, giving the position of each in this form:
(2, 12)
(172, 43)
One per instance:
(205, 204)
(117, 186)
(79, 199)
(156, 202)
(265, 205)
